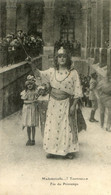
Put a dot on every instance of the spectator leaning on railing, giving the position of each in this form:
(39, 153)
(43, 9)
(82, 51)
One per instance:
(12, 48)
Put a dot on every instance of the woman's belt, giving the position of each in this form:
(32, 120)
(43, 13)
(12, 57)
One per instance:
(59, 95)
(29, 102)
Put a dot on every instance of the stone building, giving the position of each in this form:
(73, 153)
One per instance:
(88, 21)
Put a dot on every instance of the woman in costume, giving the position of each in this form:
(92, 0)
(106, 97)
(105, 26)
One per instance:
(61, 133)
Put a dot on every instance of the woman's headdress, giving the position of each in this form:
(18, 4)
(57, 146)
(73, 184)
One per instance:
(61, 51)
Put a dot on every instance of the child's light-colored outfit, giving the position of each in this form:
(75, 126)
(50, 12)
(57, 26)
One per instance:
(29, 112)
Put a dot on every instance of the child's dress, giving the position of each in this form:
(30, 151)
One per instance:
(29, 112)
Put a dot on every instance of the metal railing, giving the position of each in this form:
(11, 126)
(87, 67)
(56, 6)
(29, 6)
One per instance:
(10, 57)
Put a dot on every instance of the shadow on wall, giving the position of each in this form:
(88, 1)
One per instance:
(12, 83)
(81, 66)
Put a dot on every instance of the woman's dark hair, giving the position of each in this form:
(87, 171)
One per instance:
(68, 62)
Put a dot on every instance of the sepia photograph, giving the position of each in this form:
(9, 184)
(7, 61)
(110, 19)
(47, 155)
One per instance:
(55, 97)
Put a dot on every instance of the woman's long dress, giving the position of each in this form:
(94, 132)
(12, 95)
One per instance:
(58, 136)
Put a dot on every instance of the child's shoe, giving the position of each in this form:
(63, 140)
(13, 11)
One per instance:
(28, 143)
(33, 142)
(69, 156)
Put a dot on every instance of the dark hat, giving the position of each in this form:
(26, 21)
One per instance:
(12, 33)
(9, 36)
(19, 30)
(93, 74)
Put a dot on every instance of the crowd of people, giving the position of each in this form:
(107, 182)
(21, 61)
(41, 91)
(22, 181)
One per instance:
(98, 95)
(104, 95)
(15, 47)
(85, 83)
(73, 47)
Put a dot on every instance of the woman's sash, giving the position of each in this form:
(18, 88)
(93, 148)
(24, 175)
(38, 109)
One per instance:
(73, 126)
(30, 101)
(58, 94)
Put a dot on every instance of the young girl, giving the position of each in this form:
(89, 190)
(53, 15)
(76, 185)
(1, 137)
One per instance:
(29, 113)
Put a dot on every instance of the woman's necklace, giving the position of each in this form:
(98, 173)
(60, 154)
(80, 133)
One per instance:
(61, 80)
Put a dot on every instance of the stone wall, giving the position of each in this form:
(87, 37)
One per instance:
(80, 65)
(12, 81)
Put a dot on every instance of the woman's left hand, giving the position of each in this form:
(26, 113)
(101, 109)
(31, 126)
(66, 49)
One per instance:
(72, 110)
(41, 89)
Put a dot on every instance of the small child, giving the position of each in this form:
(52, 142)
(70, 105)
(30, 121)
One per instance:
(30, 117)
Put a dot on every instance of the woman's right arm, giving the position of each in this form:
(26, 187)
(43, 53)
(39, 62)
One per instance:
(44, 74)
(35, 70)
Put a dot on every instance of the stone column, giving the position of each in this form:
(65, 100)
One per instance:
(56, 28)
(98, 31)
(48, 23)
(104, 32)
(93, 26)
(11, 16)
(78, 26)
(109, 49)
(48, 33)
(0, 20)
(88, 28)
(84, 32)
(22, 18)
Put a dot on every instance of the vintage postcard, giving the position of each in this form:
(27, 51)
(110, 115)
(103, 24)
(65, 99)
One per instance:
(55, 97)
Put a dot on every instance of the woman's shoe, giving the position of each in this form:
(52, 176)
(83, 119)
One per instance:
(109, 130)
(93, 120)
(50, 156)
(28, 143)
(69, 156)
(33, 142)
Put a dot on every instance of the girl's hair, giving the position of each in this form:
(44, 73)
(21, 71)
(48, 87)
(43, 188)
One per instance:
(68, 62)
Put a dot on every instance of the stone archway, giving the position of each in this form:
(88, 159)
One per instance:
(61, 18)
(68, 13)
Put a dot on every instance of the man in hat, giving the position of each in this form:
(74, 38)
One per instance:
(104, 92)
(93, 96)
(20, 33)
(9, 38)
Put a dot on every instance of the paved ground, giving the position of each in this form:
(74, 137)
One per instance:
(26, 171)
